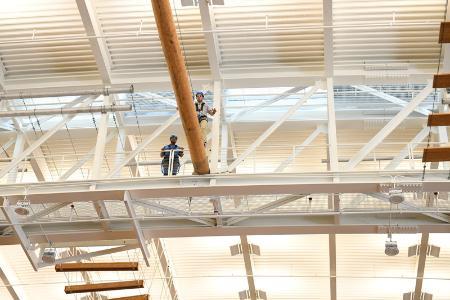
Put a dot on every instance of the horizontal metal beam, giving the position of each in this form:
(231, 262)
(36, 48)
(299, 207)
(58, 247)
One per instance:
(64, 111)
(67, 92)
(91, 233)
(229, 184)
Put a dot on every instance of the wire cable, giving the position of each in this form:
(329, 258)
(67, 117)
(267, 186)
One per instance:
(435, 96)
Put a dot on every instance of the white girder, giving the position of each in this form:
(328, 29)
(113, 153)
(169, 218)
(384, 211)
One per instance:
(386, 130)
(98, 46)
(272, 128)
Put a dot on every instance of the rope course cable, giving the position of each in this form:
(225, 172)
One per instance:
(435, 95)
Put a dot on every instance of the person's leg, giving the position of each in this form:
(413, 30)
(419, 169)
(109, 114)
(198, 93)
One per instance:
(165, 168)
(204, 129)
(176, 167)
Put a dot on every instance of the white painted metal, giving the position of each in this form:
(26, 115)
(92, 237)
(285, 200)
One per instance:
(9, 279)
(68, 91)
(172, 211)
(390, 98)
(411, 206)
(98, 46)
(224, 145)
(99, 155)
(143, 144)
(288, 93)
(386, 130)
(215, 129)
(230, 184)
(6, 145)
(207, 16)
(140, 237)
(272, 128)
(299, 149)
(62, 111)
(332, 137)
(328, 37)
(166, 268)
(84, 159)
(409, 147)
(23, 238)
(264, 208)
(39, 142)
(18, 148)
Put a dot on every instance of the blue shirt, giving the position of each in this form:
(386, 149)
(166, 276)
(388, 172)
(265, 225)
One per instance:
(171, 147)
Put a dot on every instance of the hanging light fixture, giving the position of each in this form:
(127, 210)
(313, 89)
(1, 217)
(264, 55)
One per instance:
(23, 207)
(390, 246)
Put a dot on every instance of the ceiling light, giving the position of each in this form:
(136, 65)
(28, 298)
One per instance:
(49, 255)
(396, 196)
(23, 207)
(390, 247)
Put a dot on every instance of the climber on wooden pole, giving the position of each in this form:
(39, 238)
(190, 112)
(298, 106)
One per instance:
(181, 84)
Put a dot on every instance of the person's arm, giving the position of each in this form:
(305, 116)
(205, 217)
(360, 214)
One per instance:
(162, 152)
(181, 153)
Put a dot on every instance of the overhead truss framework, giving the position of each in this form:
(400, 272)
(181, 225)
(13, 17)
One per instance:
(226, 185)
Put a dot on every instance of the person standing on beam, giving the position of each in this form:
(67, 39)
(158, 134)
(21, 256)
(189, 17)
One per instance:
(203, 110)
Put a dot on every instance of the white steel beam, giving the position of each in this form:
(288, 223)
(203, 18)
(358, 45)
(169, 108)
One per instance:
(143, 144)
(98, 46)
(248, 266)
(230, 184)
(409, 147)
(215, 129)
(18, 148)
(23, 238)
(38, 162)
(411, 206)
(128, 201)
(421, 266)
(38, 215)
(286, 94)
(99, 154)
(371, 221)
(84, 159)
(170, 102)
(164, 263)
(212, 44)
(38, 142)
(224, 145)
(2, 76)
(390, 98)
(328, 37)
(386, 130)
(172, 211)
(9, 278)
(232, 141)
(6, 146)
(299, 149)
(272, 128)
(264, 208)
(332, 137)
